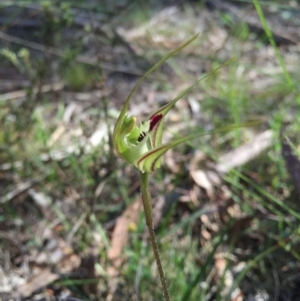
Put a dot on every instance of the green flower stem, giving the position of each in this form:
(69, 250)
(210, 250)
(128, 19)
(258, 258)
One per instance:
(149, 221)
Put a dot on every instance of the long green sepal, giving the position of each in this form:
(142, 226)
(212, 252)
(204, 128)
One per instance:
(157, 135)
(124, 110)
(151, 160)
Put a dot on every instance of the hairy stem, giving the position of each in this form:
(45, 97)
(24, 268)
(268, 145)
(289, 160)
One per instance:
(149, 221)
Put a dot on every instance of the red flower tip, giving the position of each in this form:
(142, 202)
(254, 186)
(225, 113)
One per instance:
(154, 120)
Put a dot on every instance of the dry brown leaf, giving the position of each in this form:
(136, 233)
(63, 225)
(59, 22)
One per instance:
(118, 241)
(56, 253)
(20, 188)
(36, 282)
(245, 153)
(223, 270)
(47, 276)
(22, 93)
(169, 160)
(208, 179)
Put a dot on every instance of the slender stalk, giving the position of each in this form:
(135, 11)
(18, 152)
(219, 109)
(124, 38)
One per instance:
(149, 221)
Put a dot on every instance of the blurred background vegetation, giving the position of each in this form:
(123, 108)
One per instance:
(226, 206)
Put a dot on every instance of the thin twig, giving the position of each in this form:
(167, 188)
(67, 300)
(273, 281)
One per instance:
(20, 188)
(23, 93)
(61, 53)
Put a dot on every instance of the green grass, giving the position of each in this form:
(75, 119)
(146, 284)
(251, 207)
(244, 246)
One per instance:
(252, 220)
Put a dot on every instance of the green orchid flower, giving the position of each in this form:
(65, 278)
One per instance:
(141, 145)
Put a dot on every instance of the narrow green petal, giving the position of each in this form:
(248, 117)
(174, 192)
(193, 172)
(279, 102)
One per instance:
(119, 123)
(156, 138)
(152, 159)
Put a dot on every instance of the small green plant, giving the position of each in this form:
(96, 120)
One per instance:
(21, 60)
(142, 146)
(78, 77)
